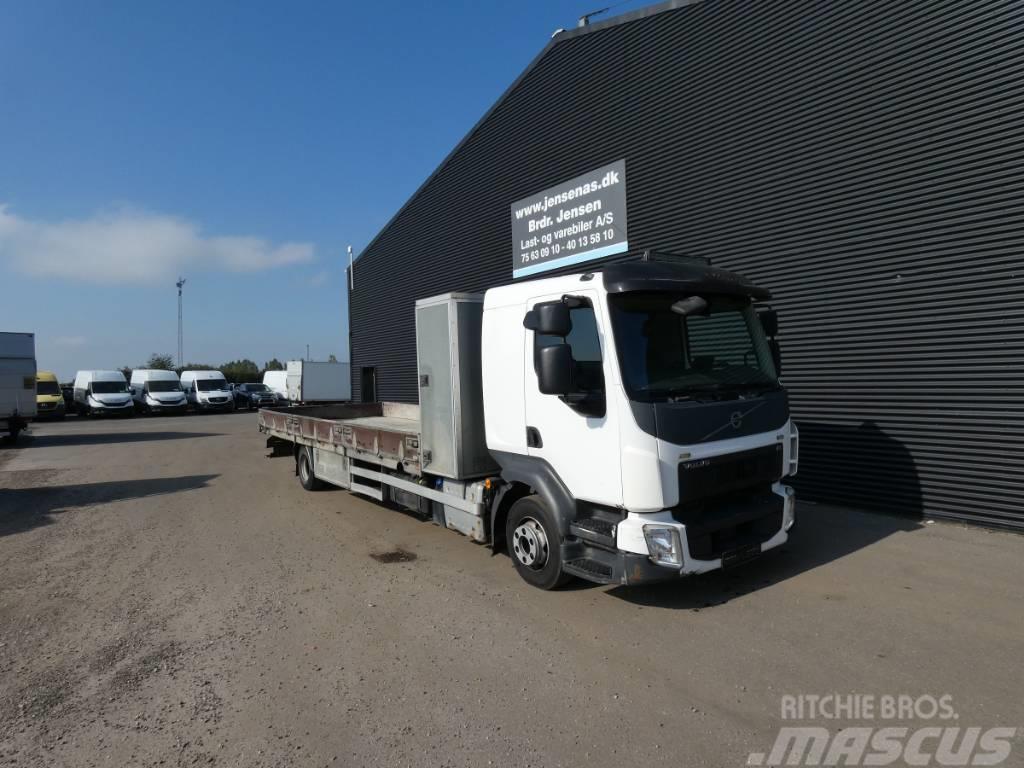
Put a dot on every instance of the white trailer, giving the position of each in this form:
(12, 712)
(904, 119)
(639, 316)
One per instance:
(318, 382)
(625, 425)
(17, 382)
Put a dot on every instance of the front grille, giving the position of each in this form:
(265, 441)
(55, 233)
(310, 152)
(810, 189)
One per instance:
(734, 472)
(726, 502)
(218, 399)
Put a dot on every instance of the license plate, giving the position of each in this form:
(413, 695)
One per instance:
(740, 555)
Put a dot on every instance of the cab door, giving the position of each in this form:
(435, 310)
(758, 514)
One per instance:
(580, 442)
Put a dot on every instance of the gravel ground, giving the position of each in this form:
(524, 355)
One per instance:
(171, 596)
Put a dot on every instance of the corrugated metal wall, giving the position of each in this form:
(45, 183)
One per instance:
(863, 160)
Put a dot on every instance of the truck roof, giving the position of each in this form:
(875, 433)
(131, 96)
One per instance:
(692, 276)
(203, 374)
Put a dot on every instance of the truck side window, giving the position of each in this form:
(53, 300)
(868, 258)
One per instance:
(585, 344)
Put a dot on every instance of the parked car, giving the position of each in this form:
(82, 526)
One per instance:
(67, 391)
(102, 393)
(254, 395)
(207, 391)
(156, 391)
(49, 401)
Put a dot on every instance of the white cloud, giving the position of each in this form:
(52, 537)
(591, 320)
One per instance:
(320, 278)
(132, 246)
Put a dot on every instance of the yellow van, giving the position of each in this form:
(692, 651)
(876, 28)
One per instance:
(49, 400)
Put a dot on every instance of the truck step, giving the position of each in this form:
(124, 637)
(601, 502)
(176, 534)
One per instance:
(366, 490)
(594, 531)
(590, 569)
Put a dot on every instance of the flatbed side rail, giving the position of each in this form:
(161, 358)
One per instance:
(337, 428)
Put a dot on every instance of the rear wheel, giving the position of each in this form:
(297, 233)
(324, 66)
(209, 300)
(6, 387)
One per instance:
(534, 543)
(305, 468)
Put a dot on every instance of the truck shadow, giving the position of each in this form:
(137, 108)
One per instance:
(108, 438)
(860, 466)
(822, 535)
(22, 509)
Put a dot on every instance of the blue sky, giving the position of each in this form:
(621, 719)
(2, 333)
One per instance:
(242, 145)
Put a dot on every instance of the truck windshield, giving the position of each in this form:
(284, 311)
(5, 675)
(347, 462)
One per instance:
(108, 387)
(47, 388)
(209, 385)
(165, 385)
(666, 356)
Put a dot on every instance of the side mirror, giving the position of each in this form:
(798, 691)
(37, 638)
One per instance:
(769, 322)
(555, 370)
(773, 345)
(550, 318)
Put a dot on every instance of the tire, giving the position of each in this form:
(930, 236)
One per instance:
(304, 466)
(534, 543)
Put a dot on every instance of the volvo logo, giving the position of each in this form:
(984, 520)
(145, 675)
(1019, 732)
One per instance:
(736, 419)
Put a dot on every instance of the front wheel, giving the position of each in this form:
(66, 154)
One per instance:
(533, 543)
(305, 468)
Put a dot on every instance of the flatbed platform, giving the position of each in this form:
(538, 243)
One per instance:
(387, 434)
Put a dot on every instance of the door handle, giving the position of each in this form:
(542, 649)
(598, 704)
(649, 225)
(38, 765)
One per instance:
(533, 439)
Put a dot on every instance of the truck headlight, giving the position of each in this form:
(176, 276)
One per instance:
(663, 545)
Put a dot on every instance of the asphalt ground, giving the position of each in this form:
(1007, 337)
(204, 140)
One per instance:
(169, 595)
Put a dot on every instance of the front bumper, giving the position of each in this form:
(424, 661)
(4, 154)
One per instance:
(630, 564)
(164, 408)
(229, 405)
(49, 410)
(113, 410)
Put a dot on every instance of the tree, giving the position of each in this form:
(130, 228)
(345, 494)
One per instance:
(240, 371)
(160, 362)
(127, 371)
(274, 365)
(194, 367)
(332, 359)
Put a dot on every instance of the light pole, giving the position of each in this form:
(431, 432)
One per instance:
(181, 347)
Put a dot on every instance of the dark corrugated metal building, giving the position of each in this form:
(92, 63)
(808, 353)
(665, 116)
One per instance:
(862, 160)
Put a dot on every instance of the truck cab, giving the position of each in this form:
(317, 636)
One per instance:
(639, 422)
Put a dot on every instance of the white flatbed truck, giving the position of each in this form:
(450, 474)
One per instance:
(623, 426)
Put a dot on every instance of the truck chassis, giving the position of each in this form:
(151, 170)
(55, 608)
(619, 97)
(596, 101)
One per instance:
(373, 449)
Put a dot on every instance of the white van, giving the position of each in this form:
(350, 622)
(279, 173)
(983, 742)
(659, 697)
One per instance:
(157, 391)
(207, 391)
(277, 382)
(102, 392)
